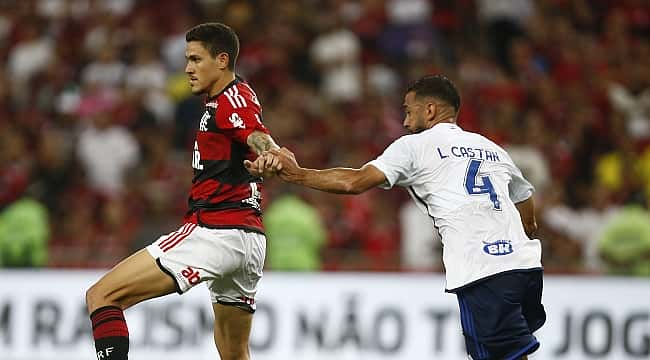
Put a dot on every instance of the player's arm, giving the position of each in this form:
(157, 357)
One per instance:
(334, 180)
(527, 212)
(260, 142)
(337, 180)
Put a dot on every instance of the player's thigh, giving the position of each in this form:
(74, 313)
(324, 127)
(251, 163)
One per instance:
(492, 318)
(232, 327)
(239, 287)
(532, 307)
(133, 280)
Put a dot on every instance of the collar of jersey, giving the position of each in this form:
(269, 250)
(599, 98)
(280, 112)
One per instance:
(446, 124)
(237, 80)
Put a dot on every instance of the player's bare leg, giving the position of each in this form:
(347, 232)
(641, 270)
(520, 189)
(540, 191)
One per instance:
(232, 328)
(135, 279)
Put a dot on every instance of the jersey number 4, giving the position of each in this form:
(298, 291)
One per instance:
(485, 187)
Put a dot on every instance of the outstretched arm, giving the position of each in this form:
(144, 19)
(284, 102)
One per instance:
(337, 180)
(334, 180)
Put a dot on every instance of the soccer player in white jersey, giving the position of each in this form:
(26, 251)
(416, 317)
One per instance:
(478, 200)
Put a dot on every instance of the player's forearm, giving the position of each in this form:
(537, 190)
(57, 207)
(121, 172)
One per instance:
(527, 212)
(335, 180)
(260, 142)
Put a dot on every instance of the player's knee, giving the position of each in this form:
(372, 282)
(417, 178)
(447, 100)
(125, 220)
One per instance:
(98, 296)
(237, 353)
(93, 298)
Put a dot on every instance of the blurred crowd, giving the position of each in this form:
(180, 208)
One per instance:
(96, 121)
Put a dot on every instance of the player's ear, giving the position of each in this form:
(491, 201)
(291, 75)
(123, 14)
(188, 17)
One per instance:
(430, 111)
(222, 60)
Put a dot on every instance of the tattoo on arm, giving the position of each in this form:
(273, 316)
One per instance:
(260, 142)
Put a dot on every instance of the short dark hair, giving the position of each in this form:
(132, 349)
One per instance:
(437, 86)
(216, 38)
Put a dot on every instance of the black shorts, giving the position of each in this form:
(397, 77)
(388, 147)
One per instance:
(500, 314)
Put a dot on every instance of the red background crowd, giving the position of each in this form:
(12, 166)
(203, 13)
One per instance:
(96, 118)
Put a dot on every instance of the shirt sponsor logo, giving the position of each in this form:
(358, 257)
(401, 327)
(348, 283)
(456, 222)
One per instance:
(498, 248)
(236, 121)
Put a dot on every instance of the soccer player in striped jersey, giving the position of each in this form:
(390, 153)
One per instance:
(479, 201)
(221, 241)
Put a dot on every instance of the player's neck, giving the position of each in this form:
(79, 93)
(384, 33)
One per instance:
(443, 120)
(221, 84)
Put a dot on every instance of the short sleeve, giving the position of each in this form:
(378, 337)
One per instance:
(239, 113)
(396, 163)
(519, 188)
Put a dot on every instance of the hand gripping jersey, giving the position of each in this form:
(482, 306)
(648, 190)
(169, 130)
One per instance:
(469, 186)
(224, 194)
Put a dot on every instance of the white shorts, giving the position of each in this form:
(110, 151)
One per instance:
(230, 261)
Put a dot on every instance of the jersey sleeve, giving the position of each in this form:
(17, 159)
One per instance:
(397, 164)
(239, 113)
(519, 188)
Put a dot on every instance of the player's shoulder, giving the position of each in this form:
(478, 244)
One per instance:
(237, 95)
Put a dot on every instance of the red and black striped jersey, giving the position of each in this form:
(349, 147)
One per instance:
(224, 194)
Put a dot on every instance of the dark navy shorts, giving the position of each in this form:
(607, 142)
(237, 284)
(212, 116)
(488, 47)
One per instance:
(500, 314)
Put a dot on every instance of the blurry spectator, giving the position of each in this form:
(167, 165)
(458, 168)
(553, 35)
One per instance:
(173, 45)
(296, 235)
(632, 98)
(24, 233)
(31, 54)
(421, 245)
(146, 79)
(526, 155)
(24, 230)
(74, 236)
(113, 234)
(409, 32)
(106, 70)
(625, 242)
(504, 21)
(15, 165)
(585, 224)
(106, 151)
(53, 170)
(621, 170)
(104, 29)
(60, 9)
(337, 51)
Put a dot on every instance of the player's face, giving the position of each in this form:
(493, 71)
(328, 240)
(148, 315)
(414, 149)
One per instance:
(202, 69)
(414, 113)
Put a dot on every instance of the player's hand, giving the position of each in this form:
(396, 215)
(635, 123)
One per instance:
(288, 168)
(266, 165)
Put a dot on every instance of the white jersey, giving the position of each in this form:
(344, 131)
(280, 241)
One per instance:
(469, 186)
